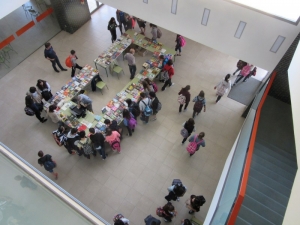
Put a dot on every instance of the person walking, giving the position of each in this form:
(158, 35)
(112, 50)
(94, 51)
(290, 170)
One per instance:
(50, 54)
(85, 145)
(131, 62)
(44, 88)
(98, 141)
(252, 73)
(178, 44)
(145, 109)
(113, 138)
(75, 66)
(244, 73)
(48, 163)
(189, 126)
(142, 25)
(155, 104)
(153, 32)
(185, 97)
(240, 64)
(223, 87)
(176, 190)
(129, 121)
(200, 103)
(121, 17)
(85, 101)
(195, 142)
(35, 107)
(194, 203)
(112, 25)
(168, 71)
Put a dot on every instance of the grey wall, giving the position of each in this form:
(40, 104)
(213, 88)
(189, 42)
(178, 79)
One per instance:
(71, 14)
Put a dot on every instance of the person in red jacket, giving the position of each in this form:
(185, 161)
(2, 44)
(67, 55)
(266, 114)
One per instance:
(170, 69)
(185, 92)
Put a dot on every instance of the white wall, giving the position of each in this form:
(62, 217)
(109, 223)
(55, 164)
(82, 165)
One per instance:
(259, 35)
(7, 6)
(292, 213)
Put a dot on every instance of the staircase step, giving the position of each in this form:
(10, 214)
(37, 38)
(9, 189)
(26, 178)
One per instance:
(271, 183)
(269, 168)
(268, 146)
(262, 210)
(240, 221)
(268, 191)
(266, 200)
(252, 217)
(275, 158)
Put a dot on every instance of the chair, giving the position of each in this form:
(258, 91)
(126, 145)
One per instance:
(101, 85)
(7, 49)
(3, 59)
(115, 68)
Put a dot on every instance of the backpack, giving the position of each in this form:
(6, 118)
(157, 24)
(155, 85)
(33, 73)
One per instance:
(159, 33)
(48, 165)
(87, 148)
(183, 42)
(192, 147)
(150, 219)
(165, 75)
(69, 62)
(132, 123)
(29, 111)
(184, 133)
(148, 110)
(198, 105)
(116, 145)
(154, 87)
(135, 109)
(181, 99)
(160, 212)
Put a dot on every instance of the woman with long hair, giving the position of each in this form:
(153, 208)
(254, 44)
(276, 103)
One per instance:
(199, 104)
(129, 121)
(223, 87)
(112, 25)
(190, 127)
(185, 92)
(147, 88)
(44, 88)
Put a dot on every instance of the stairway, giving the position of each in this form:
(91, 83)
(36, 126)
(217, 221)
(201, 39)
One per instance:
(271, 178)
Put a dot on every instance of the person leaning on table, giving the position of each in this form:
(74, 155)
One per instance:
(131, 62)
(84, 101)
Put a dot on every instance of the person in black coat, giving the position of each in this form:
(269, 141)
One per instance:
(190, 127)
(154, 104)
(35, 107)
(112, 25)
(98, 141)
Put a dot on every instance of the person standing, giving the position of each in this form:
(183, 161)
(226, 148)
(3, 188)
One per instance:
(35, 107)
(48, 163)
(54, 116)
(128, 22)
(244, 73)
(131, 62)
(223, 87)
(176, 190)
(200, 103)
(178, 44)
(119, 219)
(154, 104)
(169, 69)
(121, 17)
(75, 66)
(194, 203)
(198, 139)
(147, 88)
(129, 121)
(85, 101)
(240, 64)
(98, 141)
(133, 108)
(169, 212)
(44, 89)
(85, 145)
(144, 105)
(142, 25)
(50, 54)
(185, 92)
(162, 62)
(112, 25)
(113, 138)
(72, 137)
(153, 32)
(190, 127)
(36, 96)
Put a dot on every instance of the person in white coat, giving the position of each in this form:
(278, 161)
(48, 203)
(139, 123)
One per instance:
(223, 87)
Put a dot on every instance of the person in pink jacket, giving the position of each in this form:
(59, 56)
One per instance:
(113, 138)
(244, 72)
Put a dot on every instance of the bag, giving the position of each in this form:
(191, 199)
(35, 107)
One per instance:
(198, 105)
(46, 95)
(115, 145)
(135, 109)
(184, 133)
(87, 148)
(154, 87)
(159, 33)
(192, 147)
(118, 217)
(181, 99)
(132, 123)
(94, 81)
(150, 219)
(183, 42)
(148, 110)
(159, 105)
(177, 182)
(48, 165)
(29, 111)
(165, 76)
(160, 212)
(69, 62)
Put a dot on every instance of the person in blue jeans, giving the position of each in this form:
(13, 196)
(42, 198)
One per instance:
(131, 62)
(98, 141)
(50, 54)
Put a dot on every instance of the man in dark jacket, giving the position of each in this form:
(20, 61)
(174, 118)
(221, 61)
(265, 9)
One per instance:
(47, 162)
(50, 54)
(98, 141)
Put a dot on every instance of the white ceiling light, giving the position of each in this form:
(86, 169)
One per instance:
(277, 44)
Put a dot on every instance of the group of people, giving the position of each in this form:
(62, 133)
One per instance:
(168, 211)
(246, 70)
